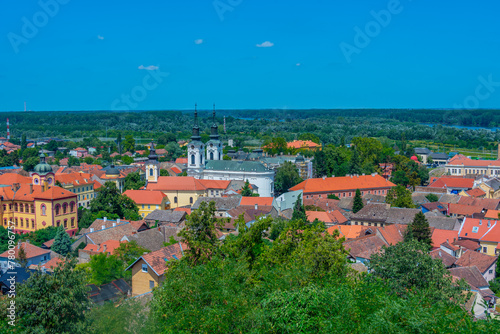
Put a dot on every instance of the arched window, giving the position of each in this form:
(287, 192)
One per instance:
(192, 159)
(211, 155)
(175, 200)
(16, 207)
(58, 223)
(21, 207)
(65, 208)
(72, 207)
(190, 200)
(4, 207)
(22, 222)
(33, 224)
(201, 158)
(151, 172)
(73, 222)
(32, 208)
(5, 221)
(65, 223)
(44, 209)
(57, 209)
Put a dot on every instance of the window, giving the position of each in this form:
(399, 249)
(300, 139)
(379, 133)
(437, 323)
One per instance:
(57, 209)
(190, 200)
(43, 208)
(21, 207)
(211, 155)
(490, 271)
(151, 284)
(149, 206)
(143, 206)
(15, 207)
(72, 222)
(475, 229)
(151, 172)
(192, 159)
(65, 208)
(33, 223)
(72, 207)
(58, 223)
(144, 268)
(485, 249)
(65, 223)
(175, 199)
(22, 222)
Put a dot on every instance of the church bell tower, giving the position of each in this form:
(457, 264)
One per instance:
(196, 151)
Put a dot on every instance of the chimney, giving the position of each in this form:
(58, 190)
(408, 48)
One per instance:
(326, 204)
(114, 224)
(256, 207)
(480, 222)
(103, 227)
(105, 219)
(489, 223)
(31, 188)
(104, 248)
(439, 252)
(324, 177)
(91, 229)
(118, 221)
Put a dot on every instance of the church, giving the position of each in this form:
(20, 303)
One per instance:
(205, 163)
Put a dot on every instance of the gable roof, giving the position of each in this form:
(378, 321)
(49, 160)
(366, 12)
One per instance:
(460, 159)
(442, 222)
(297, 144)
(221, 203)
(481, 261)
(350, 231)
(114, 233)
(344, 183)
(493, 234)
(476, 192)
(492, 214)
(364, 247)
(464, 210)
(451, 182)
(473, 228)
(471, 275)
(236, 166)
(440, 236)
(154, 197)
(173, 183)
(215, 184)
(151, 239)
(486, 203)
(260, 201)
(167, 216)
(157, 260)
(30, 250)
(447, 259)
(392, 234)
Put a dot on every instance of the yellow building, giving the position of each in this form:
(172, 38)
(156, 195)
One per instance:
(33, 204)
(80, 184)
(181, 190)
(114, 175)
(491, 188)
(148, 200)
(148, 270)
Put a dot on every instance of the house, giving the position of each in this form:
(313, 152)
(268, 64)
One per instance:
(303, 145)
(440, 236)
(491, 188)
(34, 255)
(148, 200)
(351, 231)
(107, 247)
(447, 259)
(362, 249)
(462, 210)
(148, 270)
(486, 264)
(475, 192)
(423, 153)
(155, 238)
(383, 214)
(461, 165)
(222, 204)
(166, 217)
(438, 158)
(78, 152)
(181, 190)
(485, 203)
(80, 184)
(344, 186)
(490, 241)
(20, 275)
(435, 206)
(109, 292)
(484, 231)
(329, 218)
(115, 233)
(453, 185)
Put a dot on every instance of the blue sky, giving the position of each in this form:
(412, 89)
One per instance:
(87, 55)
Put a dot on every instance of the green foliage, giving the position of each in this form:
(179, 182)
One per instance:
(170, 242)
(22, 258)
(164, 172)
(357, 203)
(432, 198)
(286, 177)
(408, 269)
(246, 191)
(310, 136)
(53, 303)
(200, 234)
(128, 252)
(332, 196)
(73, 161)
(41, 236)
(225, 157)
(129, 143)
(86, 217)
(110, 200)
(105, 268)
(133, 181)
(30, 163)
(166, 138)
(311, 207)
(5, 236)
(399, 197)
(299, 212)
(62, 242)
(419, 230)
(275, 146)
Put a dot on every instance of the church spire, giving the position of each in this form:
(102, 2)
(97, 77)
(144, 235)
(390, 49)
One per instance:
(214, 131)
(152, 153)
(196, 127)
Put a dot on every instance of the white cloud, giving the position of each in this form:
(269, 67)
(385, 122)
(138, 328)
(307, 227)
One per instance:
(198, 41)
(100, 37)
(298, 64)
(266, 44)
(149, 68)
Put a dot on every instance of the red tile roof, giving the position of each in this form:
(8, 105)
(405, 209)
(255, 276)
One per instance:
(106, 247)
(75, 179)
(473, 228)
(350, 231)
(468, 244)
(493, 234)
(485, 203)
(459, 160)
(492, 214)
(392, 233)
(464, 210)
(11, 178)
(145, 196)
(364, 247)
(186, 210)
(158, 260)
(451, 182)
(260, 201)
(481, 261)
(30, 250)
(54, 193)
(320, 215)
(215, 184)
(52, 263)
(448, 260)
(297, 144)
(476, 192)
(173, 183)
(344, 183)
(181, 161)
(176, 170)
(439, 236)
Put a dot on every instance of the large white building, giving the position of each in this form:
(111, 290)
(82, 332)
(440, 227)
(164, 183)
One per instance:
(212, 167)
(461, 165)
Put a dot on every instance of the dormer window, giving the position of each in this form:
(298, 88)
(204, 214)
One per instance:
(475, 229)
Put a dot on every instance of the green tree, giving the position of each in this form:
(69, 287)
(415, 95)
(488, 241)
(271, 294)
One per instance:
(200, 234)
(5, 236)
(119, 142)
(88, 160)
(30, 163)
(52, 145)
(110, 200)
(275, 146)
(419, 230)
(129, 143)
(357, 203)
(332, 196)
(22, 258)
(287, 176)
(166, 138)
(164, 172)
(299, 212)
(73, 161)
(310, 136)
(407, 268)
(246, 191)
(128, 252)
(53, 303)
(399, 177)
(399, 197)
(62, 242)
(133, 181)
(432, 198)
(105, 268)
(24, 144)
(225, 157)
(355, 163)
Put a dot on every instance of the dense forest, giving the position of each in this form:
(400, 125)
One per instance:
(331, 126)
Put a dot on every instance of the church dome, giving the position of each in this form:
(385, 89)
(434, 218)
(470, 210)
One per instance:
(299, 158)
(42, 168)
(112, 171)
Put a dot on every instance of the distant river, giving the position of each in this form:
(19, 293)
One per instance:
(464, 127)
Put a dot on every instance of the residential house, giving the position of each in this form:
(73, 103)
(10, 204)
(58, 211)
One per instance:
(423, 153)
(491, 188)
(484, 231)
(440, 236)
(435, 206)
(486, 264)
(344, 186)
(222, 204)
(34, 255)
(107, 247)
(475, 192)
(181, 190)
(148, 270)
(115, 233)
(154, 238)
(447, 259)
(439, 158)
(20, 275)
(351, 231)
(453, 185)
(383, 214)
(78, 152)
(148, 200)
(363, 248)
(329, 218)
(303, 145)
(166, 217)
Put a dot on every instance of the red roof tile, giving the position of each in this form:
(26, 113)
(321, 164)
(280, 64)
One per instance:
(186, 210)
(492, 214)
(176, 170)
(476, 192)
(181, 161)
(158, 260)
(215, 184)
(464, 210)
(493, 234)
(473, 228)
(30, 250)
(298, 144)
(145, 196)
(260, 201)
(439, 236)
(350, 231)
(452, 182)
(393, 233)
(173, 183)
(461, 160)
(481, 261)
(344, 183)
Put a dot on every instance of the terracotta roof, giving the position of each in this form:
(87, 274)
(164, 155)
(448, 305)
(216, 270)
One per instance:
(52, 263)
(344, 183)
(26, 193)
(173, 183)
(476, 192)
(108, 246)
(158, 260)
(215, 184)
(181, 161)
(337, 217)
(492, 214)
(320, 215)
(439, 236)
(186, 210)
(393, 233)
(11, 178)
(297, 144)
(471, 275)
(75, 179)
(176, 170)
(481, 261)
(54, 193)
(167, 216)
(460, 159)
(451, 182)
(260, 201)
(364, 247)
(473, 228)
(49, 243)
(350, 231)
(323, 203)
(468, 244)
(30, 250)
(115, 233)
(493, 234)
(154, 197)
(464, 210)
(447, 259)
(486, 203)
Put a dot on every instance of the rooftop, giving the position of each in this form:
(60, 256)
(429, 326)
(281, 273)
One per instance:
(344, 183)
